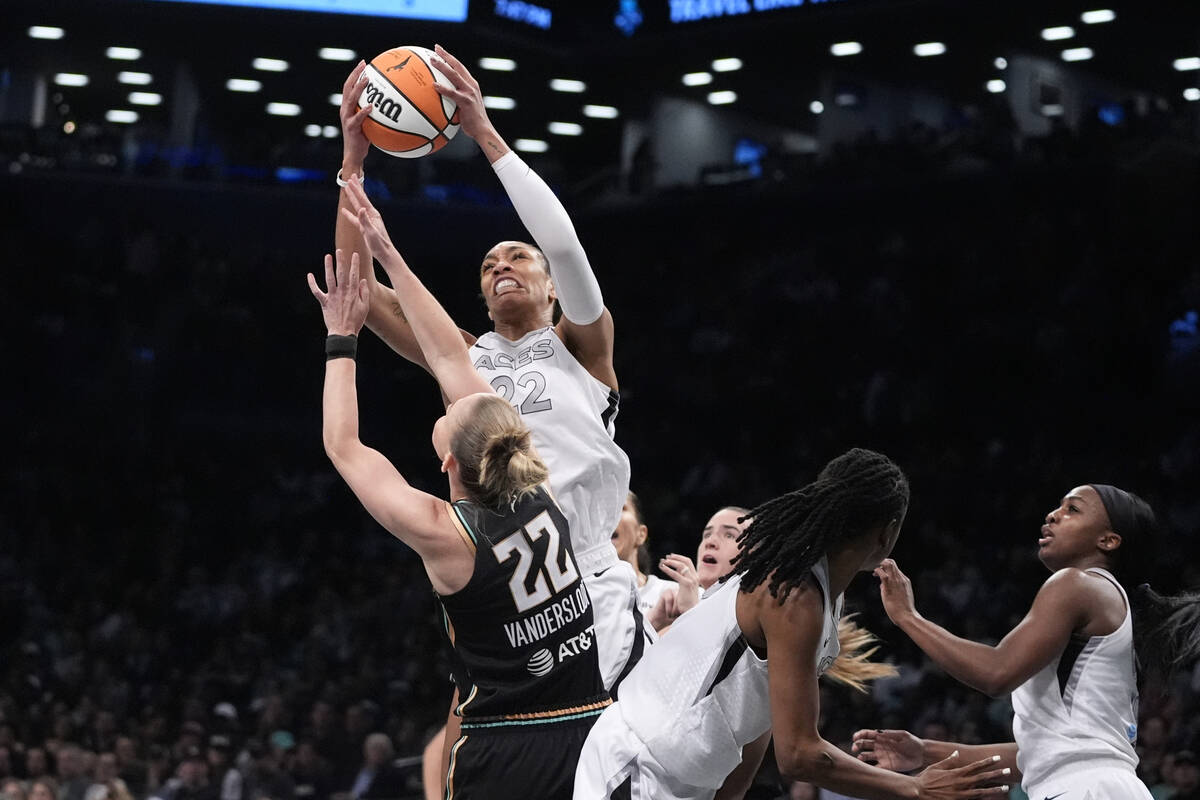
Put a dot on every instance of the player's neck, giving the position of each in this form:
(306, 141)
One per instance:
(519, 326)
(845, 563)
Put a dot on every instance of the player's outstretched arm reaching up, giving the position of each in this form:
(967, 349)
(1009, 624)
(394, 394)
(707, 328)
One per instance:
(385, 317)
(440, 342)
(418, 519)
(586, 325)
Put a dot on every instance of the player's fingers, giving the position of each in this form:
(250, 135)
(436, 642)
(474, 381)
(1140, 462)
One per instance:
(316, 290)
(354, 268)
(994, 776)
(449, 73)
(451, 59)
(352, 78)
(949, 762)
(353, 217)
(864, 734)
(976, 768)
(330, 277)
(990, 791)
(341, 267)
(364, 291)
(361, 115)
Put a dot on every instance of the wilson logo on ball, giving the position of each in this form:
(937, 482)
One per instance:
(383, 104)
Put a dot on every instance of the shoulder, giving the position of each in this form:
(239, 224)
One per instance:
(1072, 590)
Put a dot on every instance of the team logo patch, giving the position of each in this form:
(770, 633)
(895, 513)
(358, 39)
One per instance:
(540, 663)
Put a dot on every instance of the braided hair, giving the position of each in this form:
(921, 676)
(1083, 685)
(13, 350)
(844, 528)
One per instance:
(790, 533)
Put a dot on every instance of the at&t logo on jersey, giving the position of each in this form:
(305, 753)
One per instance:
(541, 662)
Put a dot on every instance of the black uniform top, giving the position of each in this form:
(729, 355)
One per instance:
(522, 631)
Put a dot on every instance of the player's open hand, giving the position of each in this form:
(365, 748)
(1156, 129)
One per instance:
(354, 142)
(895, 589)
(472, 114)
(898, 751)
(346, 300)
(681, 570)
(947, 780)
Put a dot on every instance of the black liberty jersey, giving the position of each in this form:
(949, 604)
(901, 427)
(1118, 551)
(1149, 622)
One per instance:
(522, 627)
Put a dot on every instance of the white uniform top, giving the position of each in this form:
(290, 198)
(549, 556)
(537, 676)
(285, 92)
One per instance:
(649, 593)
(1081, 710)
(700, 694)
(571, 415)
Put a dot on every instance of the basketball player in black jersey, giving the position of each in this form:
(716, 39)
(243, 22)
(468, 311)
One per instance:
(499, 557)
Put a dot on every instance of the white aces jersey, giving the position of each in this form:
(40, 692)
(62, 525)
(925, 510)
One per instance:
(571, 415)
(700, 694)
(1080, 710)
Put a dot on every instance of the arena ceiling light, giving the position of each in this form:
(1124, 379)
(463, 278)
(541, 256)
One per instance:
(1053, 110)
(1057, 34)
(45, 32)
(335, 99)
(722, 98)
(270, 65)
(71, 79)
(145, 98)
(243, 85)
(727, 64)
(600, 112)
(926, 49)
(567, 85)
(697, 79)
(845, 99)
(330, 131)
(283, 109)
(336, 54)
(565, 128)
(996, 86)
(1098, 16)
(135, 78)
(1191, 93)
(499, 103)
(816, 107)
(121, 115)
(312, 131)
(846, 48)
(1000, 63)
(1077, 54)
(123, 53)
(531, 145)
(1186, 64)
(498, 65)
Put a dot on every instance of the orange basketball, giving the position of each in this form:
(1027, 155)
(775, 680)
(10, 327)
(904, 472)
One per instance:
(409, 118)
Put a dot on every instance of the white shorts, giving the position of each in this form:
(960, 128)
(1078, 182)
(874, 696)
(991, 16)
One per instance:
(621, 634)
(1106, 783)
(615, 765)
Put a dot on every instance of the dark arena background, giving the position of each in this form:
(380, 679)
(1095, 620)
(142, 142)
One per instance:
(983, 261)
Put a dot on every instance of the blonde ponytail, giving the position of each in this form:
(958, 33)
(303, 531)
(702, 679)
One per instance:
(494, 450)
(853, 667)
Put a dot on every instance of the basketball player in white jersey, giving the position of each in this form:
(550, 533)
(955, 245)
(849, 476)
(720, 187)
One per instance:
(1069, 664)
(747, 658)
(559, 376)
(714, 560)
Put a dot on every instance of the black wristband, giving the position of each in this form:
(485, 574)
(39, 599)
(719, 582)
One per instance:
(340, 346)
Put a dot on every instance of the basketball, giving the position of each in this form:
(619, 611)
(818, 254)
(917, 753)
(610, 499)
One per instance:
(409, 119)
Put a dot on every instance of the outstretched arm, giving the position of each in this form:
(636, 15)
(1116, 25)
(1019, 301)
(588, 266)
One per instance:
(419, 520)
(586, 326)
(440, 342)
(385, 317)
(792, 630)
(1059, 608)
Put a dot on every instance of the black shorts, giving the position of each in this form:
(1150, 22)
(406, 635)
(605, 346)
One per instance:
(518, 763)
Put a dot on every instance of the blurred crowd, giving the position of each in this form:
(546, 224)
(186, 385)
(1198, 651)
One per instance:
(195, 608)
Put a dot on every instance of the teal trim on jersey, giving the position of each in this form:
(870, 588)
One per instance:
(547, 721)
(466, 525)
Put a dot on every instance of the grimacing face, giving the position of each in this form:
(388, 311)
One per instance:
(512, 275)
(718, 546)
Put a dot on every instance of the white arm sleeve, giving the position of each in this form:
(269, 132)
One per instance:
(547, 221)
